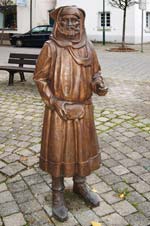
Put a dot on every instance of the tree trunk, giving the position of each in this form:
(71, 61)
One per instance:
(124, 27)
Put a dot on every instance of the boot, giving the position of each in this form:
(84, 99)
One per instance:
(80, 188)
(59, 209)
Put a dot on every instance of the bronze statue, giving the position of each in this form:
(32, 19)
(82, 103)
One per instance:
(67, 72)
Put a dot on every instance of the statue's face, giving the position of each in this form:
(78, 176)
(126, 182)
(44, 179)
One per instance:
(69, 26)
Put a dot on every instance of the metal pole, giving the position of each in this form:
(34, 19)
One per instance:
(103, 22)
(30, 14)
(142, 32)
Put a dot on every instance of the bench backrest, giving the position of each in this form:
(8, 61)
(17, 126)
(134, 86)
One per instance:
(21, 59)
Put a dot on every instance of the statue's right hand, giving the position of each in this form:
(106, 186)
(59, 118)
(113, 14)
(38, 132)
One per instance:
(59, 107)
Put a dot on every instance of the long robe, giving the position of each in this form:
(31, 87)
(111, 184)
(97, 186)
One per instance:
(69, 147)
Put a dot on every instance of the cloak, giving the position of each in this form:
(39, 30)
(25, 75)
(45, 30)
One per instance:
(66, 72)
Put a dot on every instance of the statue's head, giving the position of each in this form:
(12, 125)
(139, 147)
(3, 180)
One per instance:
(69, 24)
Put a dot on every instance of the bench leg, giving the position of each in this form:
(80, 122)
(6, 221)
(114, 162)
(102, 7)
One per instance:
(22, 77)
(11, 79)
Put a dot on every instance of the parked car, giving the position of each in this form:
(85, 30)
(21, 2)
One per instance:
(35, 37)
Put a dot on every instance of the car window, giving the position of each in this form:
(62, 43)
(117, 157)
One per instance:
(39, 30)
(50, 29)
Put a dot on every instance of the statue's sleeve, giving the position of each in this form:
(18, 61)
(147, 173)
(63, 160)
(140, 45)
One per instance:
(41, 73)
(98, 85)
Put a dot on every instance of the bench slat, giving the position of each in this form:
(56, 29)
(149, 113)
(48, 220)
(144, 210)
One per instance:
(22, 61)
(17, 69)
(25, 55)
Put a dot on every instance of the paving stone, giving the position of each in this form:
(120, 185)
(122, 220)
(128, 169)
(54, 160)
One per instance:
(144, 208)
(47, 178)
(29, 207)
(93, 179)
(134, 155)
(146, 177)
(2, 178)
(12, 168)
(1, 223)
(48, 209)
(70, 222)
(121, 187)
(38, 218)
(24, 152)
(111, 178)
(23, 196)
(31, 161)
(137, 219)
(33, 179)
(114, 219)
(2, 164)
(118, 156)
(120, 170)
(36, 148)
(6, 196)
(102, 171)
(110, 163)
(110, 149)
(3, 187)
(28, 172)
(104, 156)
(22, 144)
(103, 209)
(135, 197)
(8, 208)
(85, 218)
(141, 187)
(130, 178)
(17, 186)
(147, 195)
(40, 188)
(111, 197)
(124, 208)
(14, 179)
(128, 162)
(138, 170)
(14, 219)
(101, 187)
(129, 134)
(145, 162)
(11, 158)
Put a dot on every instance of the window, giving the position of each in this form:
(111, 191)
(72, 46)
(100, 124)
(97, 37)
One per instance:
(148, 20)
(8, 15)
(39, 29)
(104, 19)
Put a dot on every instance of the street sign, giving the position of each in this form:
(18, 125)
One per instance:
(142, 4)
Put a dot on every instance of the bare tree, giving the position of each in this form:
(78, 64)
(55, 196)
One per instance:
(5, 2)
(123, 5)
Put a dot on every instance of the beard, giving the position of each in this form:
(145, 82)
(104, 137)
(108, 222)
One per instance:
(69, 32)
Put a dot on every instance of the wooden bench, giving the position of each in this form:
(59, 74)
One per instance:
(21, 60)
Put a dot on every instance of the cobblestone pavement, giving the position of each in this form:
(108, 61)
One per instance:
(122, 120)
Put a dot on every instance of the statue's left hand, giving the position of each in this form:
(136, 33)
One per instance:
(100, 89)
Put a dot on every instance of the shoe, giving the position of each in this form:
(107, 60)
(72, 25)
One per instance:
(82, 190)
(59, 210)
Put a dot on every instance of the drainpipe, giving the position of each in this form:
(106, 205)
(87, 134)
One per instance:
(103, 22)
(30, 14)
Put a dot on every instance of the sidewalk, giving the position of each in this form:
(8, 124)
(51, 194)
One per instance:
(122, 120)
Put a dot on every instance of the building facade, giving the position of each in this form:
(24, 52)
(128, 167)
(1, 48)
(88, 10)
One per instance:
(22, 15)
